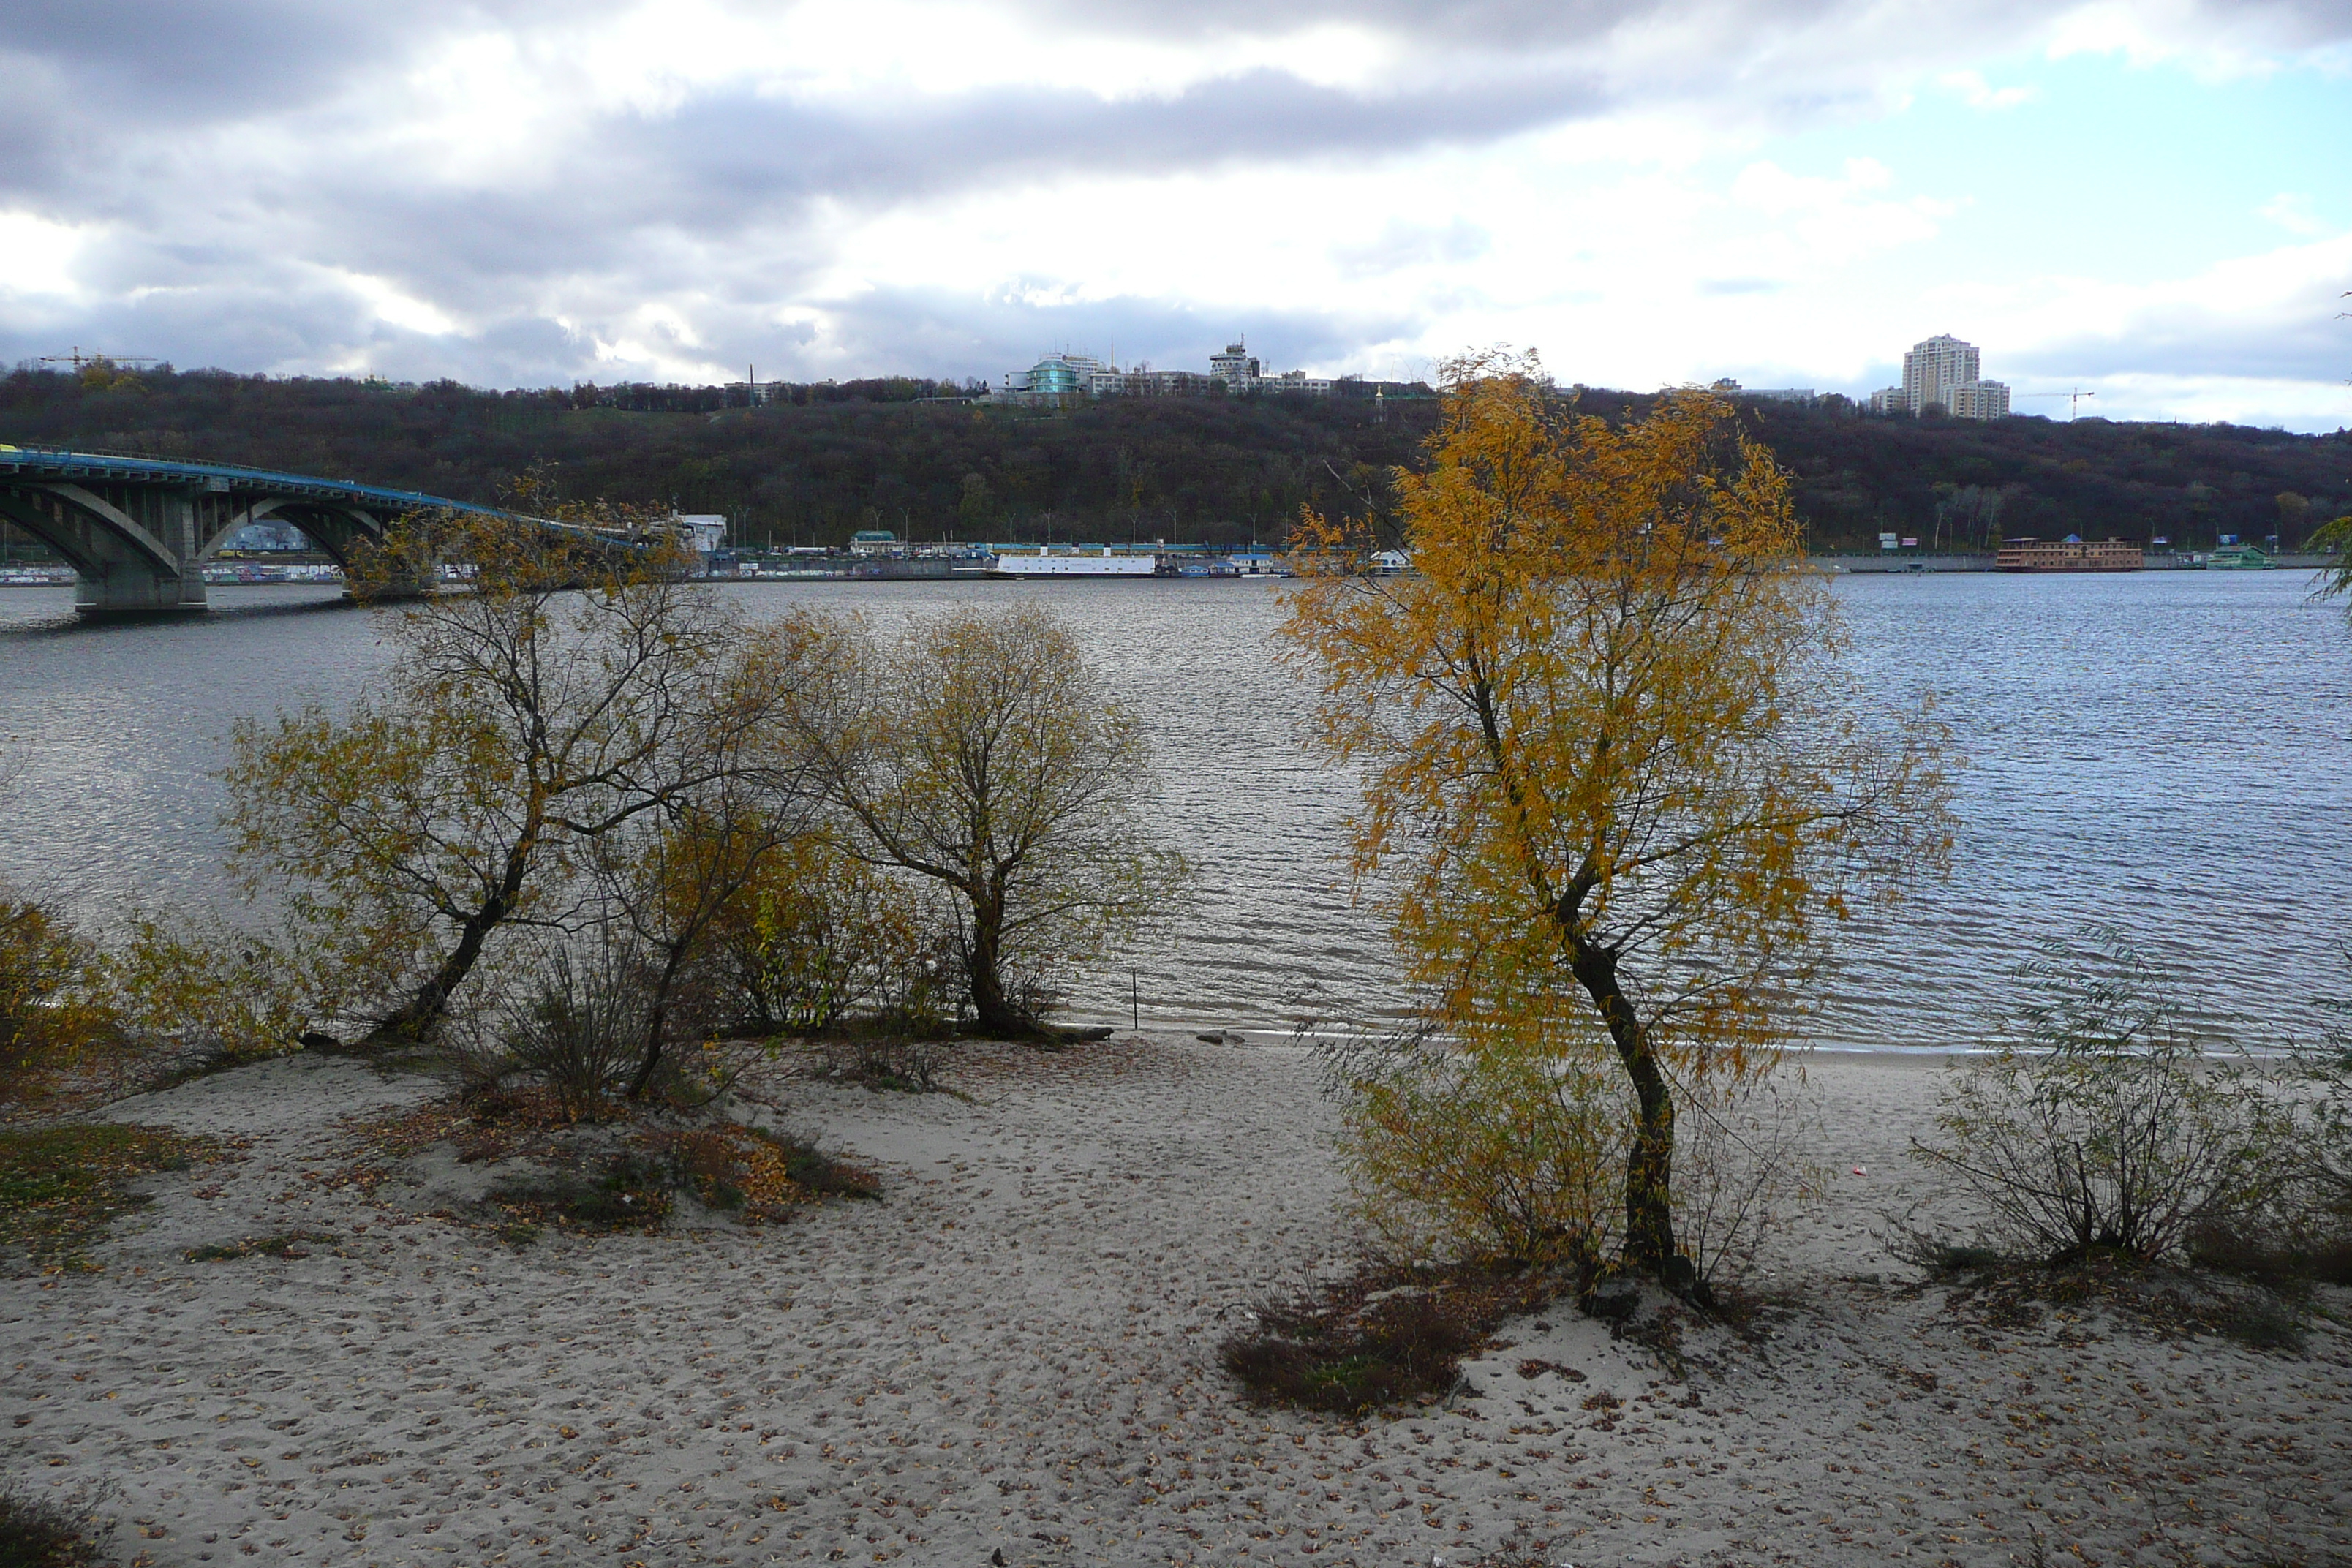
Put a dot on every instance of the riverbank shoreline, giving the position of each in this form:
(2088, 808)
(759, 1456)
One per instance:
(1015, 1352)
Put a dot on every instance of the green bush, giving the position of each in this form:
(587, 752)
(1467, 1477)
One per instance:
(819, 935)
(207, 984)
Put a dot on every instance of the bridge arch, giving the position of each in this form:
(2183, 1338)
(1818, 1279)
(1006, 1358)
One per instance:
(333, 528)
(121, 563)
(139, 530)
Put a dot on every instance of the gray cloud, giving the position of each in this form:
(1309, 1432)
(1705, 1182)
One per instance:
(205, 62)
(2308, 345)
(216, 146)
(1723, 24)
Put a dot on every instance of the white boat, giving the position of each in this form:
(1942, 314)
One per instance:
(1048, 565)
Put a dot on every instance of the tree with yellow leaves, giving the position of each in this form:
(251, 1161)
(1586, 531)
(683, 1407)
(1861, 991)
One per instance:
(1606, 747)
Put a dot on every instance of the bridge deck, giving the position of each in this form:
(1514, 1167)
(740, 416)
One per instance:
(37, 463)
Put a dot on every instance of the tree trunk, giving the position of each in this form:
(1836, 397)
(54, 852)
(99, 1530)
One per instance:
(993, 1013)
(420, 1018)
(658, 1021)
(1650, 1163)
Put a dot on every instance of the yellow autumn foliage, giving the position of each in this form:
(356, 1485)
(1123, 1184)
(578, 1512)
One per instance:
(1617, 788)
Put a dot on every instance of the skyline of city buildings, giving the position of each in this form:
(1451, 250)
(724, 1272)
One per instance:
(1234, 373)
(1942, 371)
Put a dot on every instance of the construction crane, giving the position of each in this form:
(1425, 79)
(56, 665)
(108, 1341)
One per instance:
(78, 359)
(2073, 398)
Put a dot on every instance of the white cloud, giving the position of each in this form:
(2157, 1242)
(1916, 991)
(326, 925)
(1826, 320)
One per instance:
(1972, 90)
(2291, 210)
(37, 256)
(387, 303)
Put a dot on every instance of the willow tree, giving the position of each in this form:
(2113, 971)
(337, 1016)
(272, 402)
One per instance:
(978, 749)
(1605, 743)
(569, 689)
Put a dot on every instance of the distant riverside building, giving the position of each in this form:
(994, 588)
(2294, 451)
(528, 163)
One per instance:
(707, 531)
(1235, 368)
(2071, 554)
(1943, 372)
(1055, 375)
(873, 542)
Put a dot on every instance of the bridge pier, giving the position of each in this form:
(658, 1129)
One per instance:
(131, 589)
(132, 583)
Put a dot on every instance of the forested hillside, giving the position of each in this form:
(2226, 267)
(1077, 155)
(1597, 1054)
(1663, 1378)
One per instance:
(828, 460)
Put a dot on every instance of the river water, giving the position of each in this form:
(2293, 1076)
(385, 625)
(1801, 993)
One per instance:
(2163, 751)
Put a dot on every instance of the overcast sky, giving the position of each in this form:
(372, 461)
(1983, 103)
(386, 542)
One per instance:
(2149, 198)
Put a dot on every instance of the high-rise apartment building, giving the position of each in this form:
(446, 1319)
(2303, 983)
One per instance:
(1932, 369)
(1979, 400)
(1943, 370)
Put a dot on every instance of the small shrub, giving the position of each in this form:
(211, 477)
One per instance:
(2268, 1259)
(1501, 1154)
(2106, 1126)
(884, 1061)
(2264, 1322)
(36, 1533)
(583, 1025)
(1737, 1161)
(52, 1005)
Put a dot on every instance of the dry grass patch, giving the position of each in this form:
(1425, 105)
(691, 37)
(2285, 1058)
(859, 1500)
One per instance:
(294, 1243)
(2009, 1293)
(757, 1176)
(1385, 1337)
(40, 1534)
(60, 1187)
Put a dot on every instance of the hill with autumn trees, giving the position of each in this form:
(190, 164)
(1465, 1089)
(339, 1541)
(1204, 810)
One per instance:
(823, 460)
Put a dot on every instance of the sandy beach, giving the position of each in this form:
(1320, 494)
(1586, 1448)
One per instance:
(1015, 1353)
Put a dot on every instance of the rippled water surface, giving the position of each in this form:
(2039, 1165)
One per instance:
(2164, 751)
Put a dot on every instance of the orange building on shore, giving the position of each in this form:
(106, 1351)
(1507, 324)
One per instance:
(2070, 554)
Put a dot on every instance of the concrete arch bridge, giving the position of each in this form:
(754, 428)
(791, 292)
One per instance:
(138, 530)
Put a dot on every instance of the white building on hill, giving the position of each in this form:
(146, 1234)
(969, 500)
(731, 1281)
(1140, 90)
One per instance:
(1945, 373)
